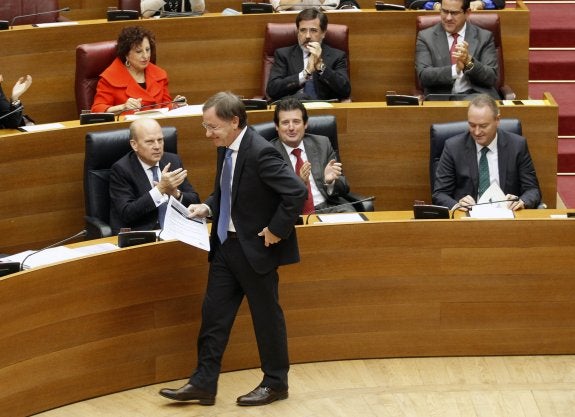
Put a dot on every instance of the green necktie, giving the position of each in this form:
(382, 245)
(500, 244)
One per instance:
(483, 172)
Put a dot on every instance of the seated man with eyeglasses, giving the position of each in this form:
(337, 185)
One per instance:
(455, 56)
(309, 69)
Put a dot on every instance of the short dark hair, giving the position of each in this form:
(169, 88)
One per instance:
(131, 36)
(485, 100)
(288, 104)
(465, 6)
(311, 14)
(227, 106)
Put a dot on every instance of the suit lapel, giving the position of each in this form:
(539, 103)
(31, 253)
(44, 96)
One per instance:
(240, 160)
(441, 45)
(471, 38)
(502, 156)
(140, 176)
(313, 153)
(296, 57)
(471, 156)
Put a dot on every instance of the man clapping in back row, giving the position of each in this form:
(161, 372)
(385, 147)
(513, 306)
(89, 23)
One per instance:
(310, 69)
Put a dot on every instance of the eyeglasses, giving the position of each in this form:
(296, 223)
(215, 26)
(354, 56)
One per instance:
(312, 31)
(209, 128)
(453, 13)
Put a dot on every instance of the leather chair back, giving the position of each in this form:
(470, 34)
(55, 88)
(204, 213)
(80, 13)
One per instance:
(129, 5)
(488, 21)
(9, 9)
(91, 60)
(440, 132)
(317, 125)
(279, 35)
(102, 150)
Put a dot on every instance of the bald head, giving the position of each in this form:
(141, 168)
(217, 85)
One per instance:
(147, 140)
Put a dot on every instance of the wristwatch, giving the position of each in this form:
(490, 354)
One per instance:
(15, 103)
(321, 68)
(469, 66)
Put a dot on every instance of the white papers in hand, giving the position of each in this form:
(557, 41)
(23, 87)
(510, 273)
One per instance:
(177, 225)
(493, 193)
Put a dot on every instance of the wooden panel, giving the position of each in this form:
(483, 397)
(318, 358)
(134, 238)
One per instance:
(385, 151)
(391, 288)
(201, 55)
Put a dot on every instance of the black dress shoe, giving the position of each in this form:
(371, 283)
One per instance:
(189, 393)
(262, 396)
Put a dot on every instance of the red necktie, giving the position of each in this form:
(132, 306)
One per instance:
(452, 49)
(308, 206)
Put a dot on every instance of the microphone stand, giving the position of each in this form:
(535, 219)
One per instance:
(327, 209)
(80, 234)
(149, 106)
(470, 206)
(65, 9)
(17, 109)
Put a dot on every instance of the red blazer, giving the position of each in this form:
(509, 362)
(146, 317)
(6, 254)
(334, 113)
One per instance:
(116, 85)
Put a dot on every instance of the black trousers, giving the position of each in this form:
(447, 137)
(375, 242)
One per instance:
(230, 278)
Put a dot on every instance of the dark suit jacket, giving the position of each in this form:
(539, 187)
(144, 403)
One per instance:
(333, 83)
(13, 120)
(433, 61)
(319, 152)
(457, 173)
(265, 192)
(130, 201)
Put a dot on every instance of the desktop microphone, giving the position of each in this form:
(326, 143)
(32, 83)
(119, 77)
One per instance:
(17, 109)
(77, 235)
(148, 106)
(65, 9)
(416, 4)
(330, 208)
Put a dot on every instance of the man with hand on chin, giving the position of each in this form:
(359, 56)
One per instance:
(310, 69)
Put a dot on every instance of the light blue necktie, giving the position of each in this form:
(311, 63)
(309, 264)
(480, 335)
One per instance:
(225, 196)
(483, 172)
(162, 207)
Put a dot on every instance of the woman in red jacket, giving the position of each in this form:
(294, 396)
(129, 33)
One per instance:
(132, 80)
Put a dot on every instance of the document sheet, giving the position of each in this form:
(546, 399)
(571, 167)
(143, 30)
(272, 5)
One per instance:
(493, 210)
(178, 225)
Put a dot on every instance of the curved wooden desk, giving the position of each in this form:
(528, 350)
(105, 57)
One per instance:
(212, 53)
(393, 287)
(385, 151)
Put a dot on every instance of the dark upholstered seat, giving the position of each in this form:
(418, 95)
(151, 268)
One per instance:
(103, 149)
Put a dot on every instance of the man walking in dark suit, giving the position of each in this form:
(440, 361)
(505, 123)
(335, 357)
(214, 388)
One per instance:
(312, 158)
(455, 56)
(458, 180)
(142, 181)
(256, 201)
(310, 69)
